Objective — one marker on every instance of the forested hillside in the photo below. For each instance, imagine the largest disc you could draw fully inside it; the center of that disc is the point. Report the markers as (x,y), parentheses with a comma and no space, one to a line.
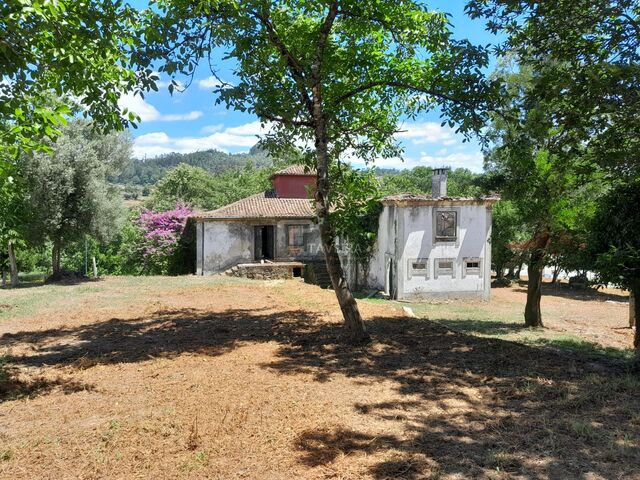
(147,172)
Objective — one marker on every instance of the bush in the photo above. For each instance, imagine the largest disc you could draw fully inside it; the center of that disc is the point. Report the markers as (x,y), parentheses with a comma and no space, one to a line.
(161,239)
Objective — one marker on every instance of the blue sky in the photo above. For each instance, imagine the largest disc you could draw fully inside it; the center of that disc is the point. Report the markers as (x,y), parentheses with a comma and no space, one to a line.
(190,121)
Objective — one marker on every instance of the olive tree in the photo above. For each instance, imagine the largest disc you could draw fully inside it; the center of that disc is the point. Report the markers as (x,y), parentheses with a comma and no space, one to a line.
(67,192)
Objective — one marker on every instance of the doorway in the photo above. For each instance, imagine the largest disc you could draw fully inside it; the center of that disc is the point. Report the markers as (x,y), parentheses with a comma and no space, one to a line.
(390,279)
(264,242)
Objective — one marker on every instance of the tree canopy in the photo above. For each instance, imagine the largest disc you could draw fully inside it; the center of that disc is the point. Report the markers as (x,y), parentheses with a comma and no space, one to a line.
(77,49)
(614,240)
(586,54)
(551,189)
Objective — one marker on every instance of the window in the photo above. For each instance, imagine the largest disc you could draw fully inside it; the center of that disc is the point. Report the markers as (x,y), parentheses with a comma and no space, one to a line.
(295,235)
(446,225)
(418,267)
(472,266)
(445,267)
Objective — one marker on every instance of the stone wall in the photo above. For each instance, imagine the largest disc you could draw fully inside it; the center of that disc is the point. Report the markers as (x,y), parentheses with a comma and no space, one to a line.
(267,271)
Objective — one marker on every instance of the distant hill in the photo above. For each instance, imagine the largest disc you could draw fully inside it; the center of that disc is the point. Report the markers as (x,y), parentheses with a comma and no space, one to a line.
(149,171)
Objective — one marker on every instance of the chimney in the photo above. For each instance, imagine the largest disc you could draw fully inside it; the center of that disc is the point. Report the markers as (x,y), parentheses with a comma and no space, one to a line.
(439,182)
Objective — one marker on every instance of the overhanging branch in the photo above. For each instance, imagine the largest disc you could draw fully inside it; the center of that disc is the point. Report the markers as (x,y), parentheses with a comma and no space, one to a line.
(406,86)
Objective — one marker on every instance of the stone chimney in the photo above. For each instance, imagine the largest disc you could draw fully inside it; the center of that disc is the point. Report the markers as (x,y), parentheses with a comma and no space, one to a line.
(439,182)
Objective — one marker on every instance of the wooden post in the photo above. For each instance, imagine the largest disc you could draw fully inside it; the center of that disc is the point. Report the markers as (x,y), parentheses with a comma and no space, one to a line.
(632,309)
(13,265)
(95,268)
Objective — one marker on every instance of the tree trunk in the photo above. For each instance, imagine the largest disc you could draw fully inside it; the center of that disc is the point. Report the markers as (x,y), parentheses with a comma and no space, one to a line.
(13,265)
(532,313)
(499,272)
(354,325)
(556,272)
(518,271)
(55,262)
(635,292)
(632,309)
(510,273)
(4,279)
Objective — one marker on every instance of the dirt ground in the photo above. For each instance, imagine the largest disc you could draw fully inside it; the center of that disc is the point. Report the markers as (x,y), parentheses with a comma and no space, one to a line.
(212,378)
(582,318)
(598,316)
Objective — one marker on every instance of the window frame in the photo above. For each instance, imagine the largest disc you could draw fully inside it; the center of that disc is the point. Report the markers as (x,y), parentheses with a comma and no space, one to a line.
(418,272)
(302,228)
(472,271)
(440,272)
(446,238)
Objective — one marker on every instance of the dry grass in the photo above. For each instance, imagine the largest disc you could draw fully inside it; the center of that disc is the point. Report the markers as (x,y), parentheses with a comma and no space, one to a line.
(199,378)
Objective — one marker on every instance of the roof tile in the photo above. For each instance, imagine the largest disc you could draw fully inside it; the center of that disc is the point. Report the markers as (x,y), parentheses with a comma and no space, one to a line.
(296,170)
(264,205)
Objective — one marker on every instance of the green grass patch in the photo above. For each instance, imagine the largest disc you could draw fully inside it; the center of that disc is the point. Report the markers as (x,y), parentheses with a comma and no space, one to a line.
(32,277)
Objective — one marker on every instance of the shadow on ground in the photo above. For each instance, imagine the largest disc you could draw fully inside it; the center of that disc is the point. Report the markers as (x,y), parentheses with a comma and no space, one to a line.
(483,327)
(465,405)
(563,290)
(14,385)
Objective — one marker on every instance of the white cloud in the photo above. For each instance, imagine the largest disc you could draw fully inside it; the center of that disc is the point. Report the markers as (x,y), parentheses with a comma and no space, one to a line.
(179,86)
(421,133)
(211,82)
(165,83)
(473,161)
(136,104)
(395,162)
(176,117)
(209,129)
(149,113)
(237,138)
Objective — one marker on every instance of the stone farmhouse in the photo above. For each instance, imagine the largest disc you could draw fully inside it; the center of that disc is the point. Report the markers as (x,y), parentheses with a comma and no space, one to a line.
(428,246)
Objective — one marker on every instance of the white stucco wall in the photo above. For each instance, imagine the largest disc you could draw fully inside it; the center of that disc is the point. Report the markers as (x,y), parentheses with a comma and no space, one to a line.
(228,243)
(225,245)
(406,235)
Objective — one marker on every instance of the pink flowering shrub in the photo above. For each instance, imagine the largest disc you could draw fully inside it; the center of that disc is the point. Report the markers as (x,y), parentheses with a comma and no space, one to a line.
(161,236)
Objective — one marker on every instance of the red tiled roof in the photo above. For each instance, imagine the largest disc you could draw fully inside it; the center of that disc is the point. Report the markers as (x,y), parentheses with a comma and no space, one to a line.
(263,205)
(296,170)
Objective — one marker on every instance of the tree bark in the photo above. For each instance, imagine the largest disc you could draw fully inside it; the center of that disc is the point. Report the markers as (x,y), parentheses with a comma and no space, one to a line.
(635,292)
(4,279)
(532,312)
(517,274)
(556,272)
(499,271)
(354,325)
(632,308)
(55,262)
(13,265)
